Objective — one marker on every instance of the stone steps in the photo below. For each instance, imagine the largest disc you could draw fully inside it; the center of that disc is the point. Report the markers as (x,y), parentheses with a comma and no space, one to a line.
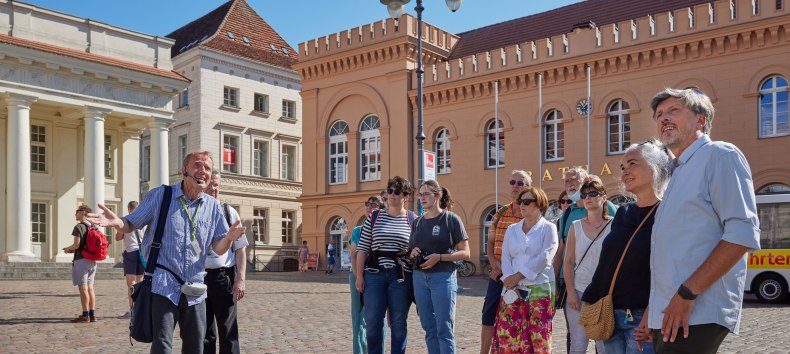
(54,270)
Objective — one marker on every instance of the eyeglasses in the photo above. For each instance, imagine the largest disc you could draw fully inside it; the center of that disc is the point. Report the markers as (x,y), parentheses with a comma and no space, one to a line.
(425,195)
(566,201)
(517,183)
(592,194)
(396,191)
(372,205)
(525,201)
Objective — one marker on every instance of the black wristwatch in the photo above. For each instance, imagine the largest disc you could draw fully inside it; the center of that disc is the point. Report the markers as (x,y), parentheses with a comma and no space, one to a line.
(685,293)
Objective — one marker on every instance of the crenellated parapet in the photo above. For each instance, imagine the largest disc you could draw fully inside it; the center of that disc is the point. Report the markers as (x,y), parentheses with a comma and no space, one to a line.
(658,39)
(374,43)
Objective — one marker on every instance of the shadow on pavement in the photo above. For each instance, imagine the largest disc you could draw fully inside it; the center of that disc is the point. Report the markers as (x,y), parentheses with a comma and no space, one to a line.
(26,320)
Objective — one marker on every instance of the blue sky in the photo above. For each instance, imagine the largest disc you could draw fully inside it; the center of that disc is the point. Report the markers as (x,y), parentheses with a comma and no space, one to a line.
(296,20)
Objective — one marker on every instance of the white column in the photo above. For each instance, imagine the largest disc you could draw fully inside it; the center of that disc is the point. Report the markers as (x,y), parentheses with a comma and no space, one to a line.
(159,159)
(94,155)
(18,222)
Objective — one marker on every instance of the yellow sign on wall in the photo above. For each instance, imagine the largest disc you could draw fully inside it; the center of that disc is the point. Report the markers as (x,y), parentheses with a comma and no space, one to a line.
(764,259)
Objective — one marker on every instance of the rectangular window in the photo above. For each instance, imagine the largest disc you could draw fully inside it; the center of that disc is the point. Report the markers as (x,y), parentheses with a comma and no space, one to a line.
(289,109)
(288,226)
(261,103)
(260,158)
(182,149)
(288,163)
(778,4)
(39,219)
(338,160)
(38,148)
(230,148)
(108,157)
(110,231)
(231,97)
(259,222)
(145,169)
(773,218)
(183,98)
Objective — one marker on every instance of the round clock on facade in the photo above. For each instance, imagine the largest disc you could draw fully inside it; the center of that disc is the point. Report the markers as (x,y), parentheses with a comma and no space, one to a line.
(582,107)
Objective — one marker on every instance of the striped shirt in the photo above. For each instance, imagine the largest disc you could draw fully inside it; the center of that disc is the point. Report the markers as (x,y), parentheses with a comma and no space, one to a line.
(506,216)
(389,234)
(177,253)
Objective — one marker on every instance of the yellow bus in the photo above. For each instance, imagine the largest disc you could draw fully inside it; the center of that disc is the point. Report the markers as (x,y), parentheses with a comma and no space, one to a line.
(768,274)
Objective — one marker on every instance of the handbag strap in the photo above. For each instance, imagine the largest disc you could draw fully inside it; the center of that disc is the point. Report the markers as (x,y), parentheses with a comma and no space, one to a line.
(619,263)
(590,245)
(156,245)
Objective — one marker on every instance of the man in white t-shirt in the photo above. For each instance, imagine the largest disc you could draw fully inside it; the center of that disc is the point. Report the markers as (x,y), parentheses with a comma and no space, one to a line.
(225,277)
(133,267)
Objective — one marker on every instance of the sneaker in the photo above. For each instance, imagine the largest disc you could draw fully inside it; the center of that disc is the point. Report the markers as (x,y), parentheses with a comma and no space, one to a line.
(81,319)
(93,318)
(126,315)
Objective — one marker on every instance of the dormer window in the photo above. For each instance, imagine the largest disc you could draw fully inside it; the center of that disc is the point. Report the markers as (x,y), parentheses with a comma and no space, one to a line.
(274,48)
(245,39)
(285,51)
(231,36)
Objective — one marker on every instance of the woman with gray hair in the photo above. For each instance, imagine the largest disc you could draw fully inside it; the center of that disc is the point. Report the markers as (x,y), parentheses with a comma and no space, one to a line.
(645,174)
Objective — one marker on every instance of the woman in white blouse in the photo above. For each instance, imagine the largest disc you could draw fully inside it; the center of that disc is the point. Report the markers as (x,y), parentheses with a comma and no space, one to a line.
(523,323)
(583,251)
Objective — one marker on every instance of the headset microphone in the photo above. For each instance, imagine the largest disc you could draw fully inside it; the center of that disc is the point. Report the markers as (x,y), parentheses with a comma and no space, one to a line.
(198,181)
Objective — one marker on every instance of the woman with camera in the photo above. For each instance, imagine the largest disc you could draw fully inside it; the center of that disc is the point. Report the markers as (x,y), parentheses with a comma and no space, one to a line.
(523,324)
(382,253)
(438,239)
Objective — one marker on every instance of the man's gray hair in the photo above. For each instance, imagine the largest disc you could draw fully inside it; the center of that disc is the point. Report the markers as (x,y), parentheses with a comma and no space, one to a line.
(693,99)
(581,173)
(527,178)
(195,153)
(657,158)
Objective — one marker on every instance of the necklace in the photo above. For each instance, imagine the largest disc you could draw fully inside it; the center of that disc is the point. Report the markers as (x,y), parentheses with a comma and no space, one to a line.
(595,226)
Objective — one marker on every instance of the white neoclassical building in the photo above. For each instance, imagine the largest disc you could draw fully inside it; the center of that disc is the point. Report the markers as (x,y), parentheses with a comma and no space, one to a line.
(75,95)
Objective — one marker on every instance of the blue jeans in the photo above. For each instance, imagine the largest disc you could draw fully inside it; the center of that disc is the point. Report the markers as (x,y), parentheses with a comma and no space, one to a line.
(358,320)
(434,293)
(383,291)
(622,339)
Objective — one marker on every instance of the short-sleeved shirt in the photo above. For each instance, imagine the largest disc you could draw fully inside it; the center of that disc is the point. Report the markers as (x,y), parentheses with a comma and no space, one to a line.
(438,235)
(132,240)
(177,253)
(506,216)
(213,261)
(389,234)
(709,199)
(80,230)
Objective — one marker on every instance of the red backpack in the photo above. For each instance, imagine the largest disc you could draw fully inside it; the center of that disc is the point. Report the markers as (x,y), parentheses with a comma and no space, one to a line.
(96,245)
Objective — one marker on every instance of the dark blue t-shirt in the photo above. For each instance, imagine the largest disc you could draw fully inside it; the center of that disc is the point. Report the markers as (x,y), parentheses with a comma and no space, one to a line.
(438,235)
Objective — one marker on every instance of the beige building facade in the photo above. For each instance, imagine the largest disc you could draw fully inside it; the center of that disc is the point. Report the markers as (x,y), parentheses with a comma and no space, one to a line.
(75,96)
(359,94)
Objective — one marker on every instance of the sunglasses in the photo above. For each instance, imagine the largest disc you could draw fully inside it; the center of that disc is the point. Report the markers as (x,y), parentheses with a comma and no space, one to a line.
(396,191)
(591,194)
(372,205)
(517,183)
(566,201)
(525,201)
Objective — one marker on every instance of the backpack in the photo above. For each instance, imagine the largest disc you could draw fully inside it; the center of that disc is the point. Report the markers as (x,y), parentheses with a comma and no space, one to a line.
(96,245)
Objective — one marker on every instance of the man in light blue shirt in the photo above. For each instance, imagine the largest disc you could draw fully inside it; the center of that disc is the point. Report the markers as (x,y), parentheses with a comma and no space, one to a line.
(704,227)
(195,223)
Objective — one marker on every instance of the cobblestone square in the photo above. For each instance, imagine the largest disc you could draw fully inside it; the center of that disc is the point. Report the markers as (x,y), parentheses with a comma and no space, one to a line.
(282,313)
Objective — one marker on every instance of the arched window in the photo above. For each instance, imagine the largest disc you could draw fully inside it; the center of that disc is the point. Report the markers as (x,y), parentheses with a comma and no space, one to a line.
(618,127)
(442,150)
(338,153)
(775,188)
(555,136)
(488,222)
(337,232)
(773,107)
(370,149)
(494,160)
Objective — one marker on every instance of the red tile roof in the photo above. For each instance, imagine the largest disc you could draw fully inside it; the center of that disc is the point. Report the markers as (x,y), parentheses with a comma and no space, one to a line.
(238,18)
(560,21)
(96,58)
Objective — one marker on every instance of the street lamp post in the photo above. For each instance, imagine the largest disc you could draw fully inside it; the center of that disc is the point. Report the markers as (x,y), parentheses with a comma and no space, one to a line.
(395,9)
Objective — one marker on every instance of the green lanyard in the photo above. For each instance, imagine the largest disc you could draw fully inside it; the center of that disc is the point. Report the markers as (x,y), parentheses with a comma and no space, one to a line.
(191,218)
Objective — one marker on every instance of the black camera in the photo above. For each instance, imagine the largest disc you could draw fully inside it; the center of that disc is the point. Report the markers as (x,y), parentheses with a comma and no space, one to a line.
(417,261)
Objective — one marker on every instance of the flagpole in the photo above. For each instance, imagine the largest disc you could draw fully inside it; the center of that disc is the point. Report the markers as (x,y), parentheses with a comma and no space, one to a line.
(540,130)
(496,124)
(589,108)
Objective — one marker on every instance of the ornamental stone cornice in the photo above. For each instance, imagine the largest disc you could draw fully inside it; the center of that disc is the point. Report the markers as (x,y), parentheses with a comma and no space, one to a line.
(260,187)
(214,60)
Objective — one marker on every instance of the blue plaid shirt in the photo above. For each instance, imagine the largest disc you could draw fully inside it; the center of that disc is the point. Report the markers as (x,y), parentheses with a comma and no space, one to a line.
(177,253)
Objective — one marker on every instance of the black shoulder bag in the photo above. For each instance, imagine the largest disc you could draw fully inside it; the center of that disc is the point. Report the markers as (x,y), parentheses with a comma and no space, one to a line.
(141,326)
